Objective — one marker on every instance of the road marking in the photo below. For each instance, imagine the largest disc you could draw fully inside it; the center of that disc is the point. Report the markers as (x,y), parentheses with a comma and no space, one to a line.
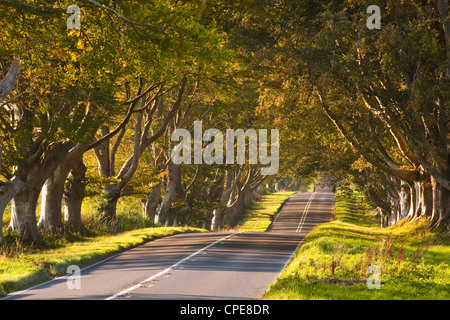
(12,294)
(305,212)
(173,267)
(299,229)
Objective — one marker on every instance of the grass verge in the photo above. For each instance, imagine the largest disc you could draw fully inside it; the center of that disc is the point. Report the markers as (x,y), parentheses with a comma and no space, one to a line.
(23,266)
(261,213)
(259,216)
(333,261)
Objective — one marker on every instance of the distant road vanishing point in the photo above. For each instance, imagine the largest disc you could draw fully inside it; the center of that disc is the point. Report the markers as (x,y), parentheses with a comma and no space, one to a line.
(197,266)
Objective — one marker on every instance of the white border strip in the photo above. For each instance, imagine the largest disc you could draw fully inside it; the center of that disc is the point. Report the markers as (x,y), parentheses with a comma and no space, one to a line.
(170,268)
(10,295)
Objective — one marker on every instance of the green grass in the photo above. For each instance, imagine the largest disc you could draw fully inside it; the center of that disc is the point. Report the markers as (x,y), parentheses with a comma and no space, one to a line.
(259,216)
(22,266)
(332,262)
(262,212)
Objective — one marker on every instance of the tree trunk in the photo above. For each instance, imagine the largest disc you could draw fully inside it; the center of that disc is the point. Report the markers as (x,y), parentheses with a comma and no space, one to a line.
(23,211)
(405,200)
(424,199)
(74,195)
(9,81)
(53,190)
(109,209)
(180,218)
(383,207)
(233,215)
(172,191)
(51,201)
(150,204)
(217,221)
(7,191)
(172,217)
(219,214)
(442,6)
(414,196)
(384,217)
(440,216)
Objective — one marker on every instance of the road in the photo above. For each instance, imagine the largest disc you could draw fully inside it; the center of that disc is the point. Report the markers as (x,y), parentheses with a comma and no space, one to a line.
(197,266)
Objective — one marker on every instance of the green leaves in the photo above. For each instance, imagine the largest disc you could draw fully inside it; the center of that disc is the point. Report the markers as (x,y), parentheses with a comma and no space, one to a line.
(73,79)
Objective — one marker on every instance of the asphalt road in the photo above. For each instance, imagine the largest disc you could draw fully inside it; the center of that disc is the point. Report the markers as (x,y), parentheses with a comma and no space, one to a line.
(197,266)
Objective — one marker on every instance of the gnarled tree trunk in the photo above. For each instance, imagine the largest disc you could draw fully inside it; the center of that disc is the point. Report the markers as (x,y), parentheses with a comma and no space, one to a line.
(53,190)
(74,195)
(173,190)
(50,219)
(23,210)
(150,204)
(441,206)
(7,191)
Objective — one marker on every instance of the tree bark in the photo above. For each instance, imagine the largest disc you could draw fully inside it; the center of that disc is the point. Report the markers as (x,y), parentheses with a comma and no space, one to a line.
(9,81)
(50,219)
(109,209)
(440,216)
(442,6)
(231,182)
(23,210)
(424,194)
(150,204)
(52,193)
(383,206)
(173,191)
(74,195)
(7,191)
(405,200)
(34,173)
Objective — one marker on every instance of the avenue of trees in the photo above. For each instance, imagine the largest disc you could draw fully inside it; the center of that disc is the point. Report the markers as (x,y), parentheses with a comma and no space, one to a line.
(90,111)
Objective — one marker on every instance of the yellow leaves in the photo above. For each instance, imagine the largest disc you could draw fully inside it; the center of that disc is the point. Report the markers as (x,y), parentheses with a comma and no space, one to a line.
(360,164)
(163,174)
(80,44)
(73,56)
(73,32)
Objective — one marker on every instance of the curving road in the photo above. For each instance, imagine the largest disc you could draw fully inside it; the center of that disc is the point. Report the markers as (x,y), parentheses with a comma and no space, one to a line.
(197,266)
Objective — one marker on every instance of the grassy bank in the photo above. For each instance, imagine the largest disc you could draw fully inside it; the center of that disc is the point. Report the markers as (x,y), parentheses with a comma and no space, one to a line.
(259,216)
(262,212)
(333,261)
(22,266)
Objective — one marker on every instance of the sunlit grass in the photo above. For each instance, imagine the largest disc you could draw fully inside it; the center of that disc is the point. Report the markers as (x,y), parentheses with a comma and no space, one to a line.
(262,212)
(332,262)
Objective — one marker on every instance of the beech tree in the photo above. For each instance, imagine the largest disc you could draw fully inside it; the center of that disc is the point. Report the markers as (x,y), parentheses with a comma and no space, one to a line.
(50,117)
(384,93)
(142,139)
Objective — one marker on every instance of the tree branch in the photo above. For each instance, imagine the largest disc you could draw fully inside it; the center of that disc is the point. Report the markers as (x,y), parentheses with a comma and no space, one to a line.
(9,81)
(408,175)
(125,120)
(134,23)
